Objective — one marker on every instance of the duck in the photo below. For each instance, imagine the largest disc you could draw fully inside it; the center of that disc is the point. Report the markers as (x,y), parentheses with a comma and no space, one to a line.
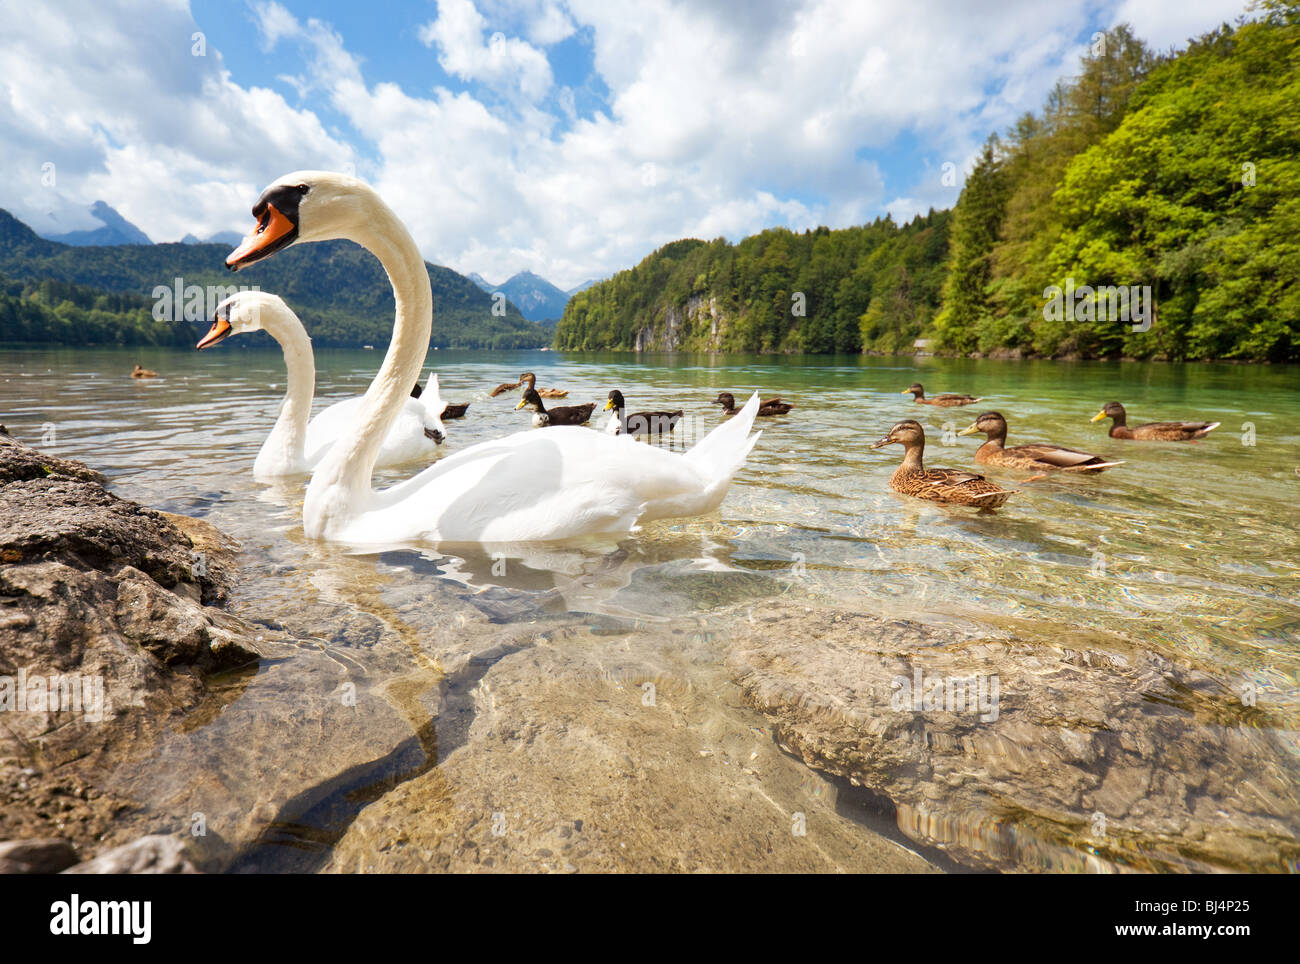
(449,411)
(297,442)
(560,415)
(771,407)
(1037,456)
(638,423)
(139,372)
(529,380)
(1153,431)
(946,400)
(937,485)
(561,484)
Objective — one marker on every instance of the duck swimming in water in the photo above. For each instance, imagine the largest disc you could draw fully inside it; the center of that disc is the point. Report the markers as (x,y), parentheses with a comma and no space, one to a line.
(937,485)
(946,400)
(1036,456)
(1152,431)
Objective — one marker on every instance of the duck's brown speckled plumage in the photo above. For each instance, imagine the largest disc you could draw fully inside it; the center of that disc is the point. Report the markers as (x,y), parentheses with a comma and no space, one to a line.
(1036,456)
(1152,431)
(937,485)
(946,400)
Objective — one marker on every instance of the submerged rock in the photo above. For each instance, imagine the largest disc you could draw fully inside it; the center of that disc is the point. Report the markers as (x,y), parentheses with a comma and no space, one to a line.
(155,854)
(41,856)
(1089,755)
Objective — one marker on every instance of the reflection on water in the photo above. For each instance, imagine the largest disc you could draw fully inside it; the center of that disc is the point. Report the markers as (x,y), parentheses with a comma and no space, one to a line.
(1189,549)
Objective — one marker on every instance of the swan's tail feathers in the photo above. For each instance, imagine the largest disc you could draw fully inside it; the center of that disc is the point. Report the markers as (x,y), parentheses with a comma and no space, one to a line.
(723,451)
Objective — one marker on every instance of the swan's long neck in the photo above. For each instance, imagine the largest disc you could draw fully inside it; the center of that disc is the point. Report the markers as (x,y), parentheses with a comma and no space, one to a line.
(285,448)
(340,488)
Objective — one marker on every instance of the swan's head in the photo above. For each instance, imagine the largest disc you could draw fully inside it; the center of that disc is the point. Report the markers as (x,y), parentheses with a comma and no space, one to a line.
(304,206)
(243,312)
(907,433)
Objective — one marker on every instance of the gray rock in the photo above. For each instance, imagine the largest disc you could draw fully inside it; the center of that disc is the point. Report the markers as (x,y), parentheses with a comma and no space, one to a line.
(155,854)
(43,856)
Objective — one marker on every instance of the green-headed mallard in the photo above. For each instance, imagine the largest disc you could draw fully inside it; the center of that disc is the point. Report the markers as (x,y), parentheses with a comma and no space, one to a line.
(773,406)
(1036,456)
(563,415)
(637,423)
(946,400)
(1153,431)
(937,485)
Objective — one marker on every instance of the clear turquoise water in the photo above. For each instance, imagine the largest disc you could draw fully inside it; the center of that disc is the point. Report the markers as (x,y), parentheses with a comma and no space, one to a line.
(1190,544)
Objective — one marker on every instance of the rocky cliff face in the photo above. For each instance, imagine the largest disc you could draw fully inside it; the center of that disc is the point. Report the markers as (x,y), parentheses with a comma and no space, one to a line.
(694,326)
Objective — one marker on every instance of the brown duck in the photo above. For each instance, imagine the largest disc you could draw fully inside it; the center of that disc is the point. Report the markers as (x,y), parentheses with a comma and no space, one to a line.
(946,400)
(1037,456)
(773,406)
(937,485)
(139,372)
(563,415)
(1153,431)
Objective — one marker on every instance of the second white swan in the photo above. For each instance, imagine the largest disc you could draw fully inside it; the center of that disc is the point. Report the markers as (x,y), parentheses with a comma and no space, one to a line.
(297,442)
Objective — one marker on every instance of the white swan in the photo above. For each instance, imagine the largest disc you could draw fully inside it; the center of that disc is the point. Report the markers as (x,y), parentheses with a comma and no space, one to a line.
(295,446)
(531,486)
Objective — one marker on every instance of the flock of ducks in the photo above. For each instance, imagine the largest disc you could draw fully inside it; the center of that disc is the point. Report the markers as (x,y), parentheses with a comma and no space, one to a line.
(956,487)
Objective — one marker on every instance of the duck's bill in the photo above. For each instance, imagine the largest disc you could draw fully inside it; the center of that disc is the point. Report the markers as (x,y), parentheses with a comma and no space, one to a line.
(881,443)
(906,391)
(274,231)
(968,430)
(1099,416)
(521,404)
(219,330)
(609,405)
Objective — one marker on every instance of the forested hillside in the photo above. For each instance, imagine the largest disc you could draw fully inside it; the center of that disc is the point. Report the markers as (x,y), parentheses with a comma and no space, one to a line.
(337,288)
(1179,172)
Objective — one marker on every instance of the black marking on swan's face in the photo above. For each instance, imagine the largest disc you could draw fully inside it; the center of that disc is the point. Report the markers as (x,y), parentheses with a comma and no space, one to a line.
(277,217)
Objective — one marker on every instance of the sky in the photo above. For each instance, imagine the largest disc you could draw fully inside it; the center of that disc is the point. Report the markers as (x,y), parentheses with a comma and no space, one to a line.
(566,137)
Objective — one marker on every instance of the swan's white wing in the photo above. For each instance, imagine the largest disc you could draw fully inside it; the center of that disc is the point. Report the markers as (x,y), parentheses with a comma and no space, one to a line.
(556,483)
(405,442)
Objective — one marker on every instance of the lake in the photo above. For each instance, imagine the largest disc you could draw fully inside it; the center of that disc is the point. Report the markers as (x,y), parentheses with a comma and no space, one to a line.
(1187,550)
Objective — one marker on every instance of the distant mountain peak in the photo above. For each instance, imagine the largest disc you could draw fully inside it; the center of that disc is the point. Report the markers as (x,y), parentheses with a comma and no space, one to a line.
(115,229)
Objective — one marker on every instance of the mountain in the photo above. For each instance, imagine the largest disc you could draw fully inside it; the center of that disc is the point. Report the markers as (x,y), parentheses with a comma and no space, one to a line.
(230,238)
(582,287)
(116,230)
(336,287)
(481,281)
(536,297)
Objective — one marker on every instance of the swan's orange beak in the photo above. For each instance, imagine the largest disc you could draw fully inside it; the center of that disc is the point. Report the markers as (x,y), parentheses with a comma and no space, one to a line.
(219,330)
(273,231)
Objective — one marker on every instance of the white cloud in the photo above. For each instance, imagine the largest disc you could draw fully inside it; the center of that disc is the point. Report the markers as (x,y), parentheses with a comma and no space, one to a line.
(721,118)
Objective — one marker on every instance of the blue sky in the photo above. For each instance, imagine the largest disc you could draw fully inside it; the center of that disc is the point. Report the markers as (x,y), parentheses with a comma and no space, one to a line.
(566,137)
